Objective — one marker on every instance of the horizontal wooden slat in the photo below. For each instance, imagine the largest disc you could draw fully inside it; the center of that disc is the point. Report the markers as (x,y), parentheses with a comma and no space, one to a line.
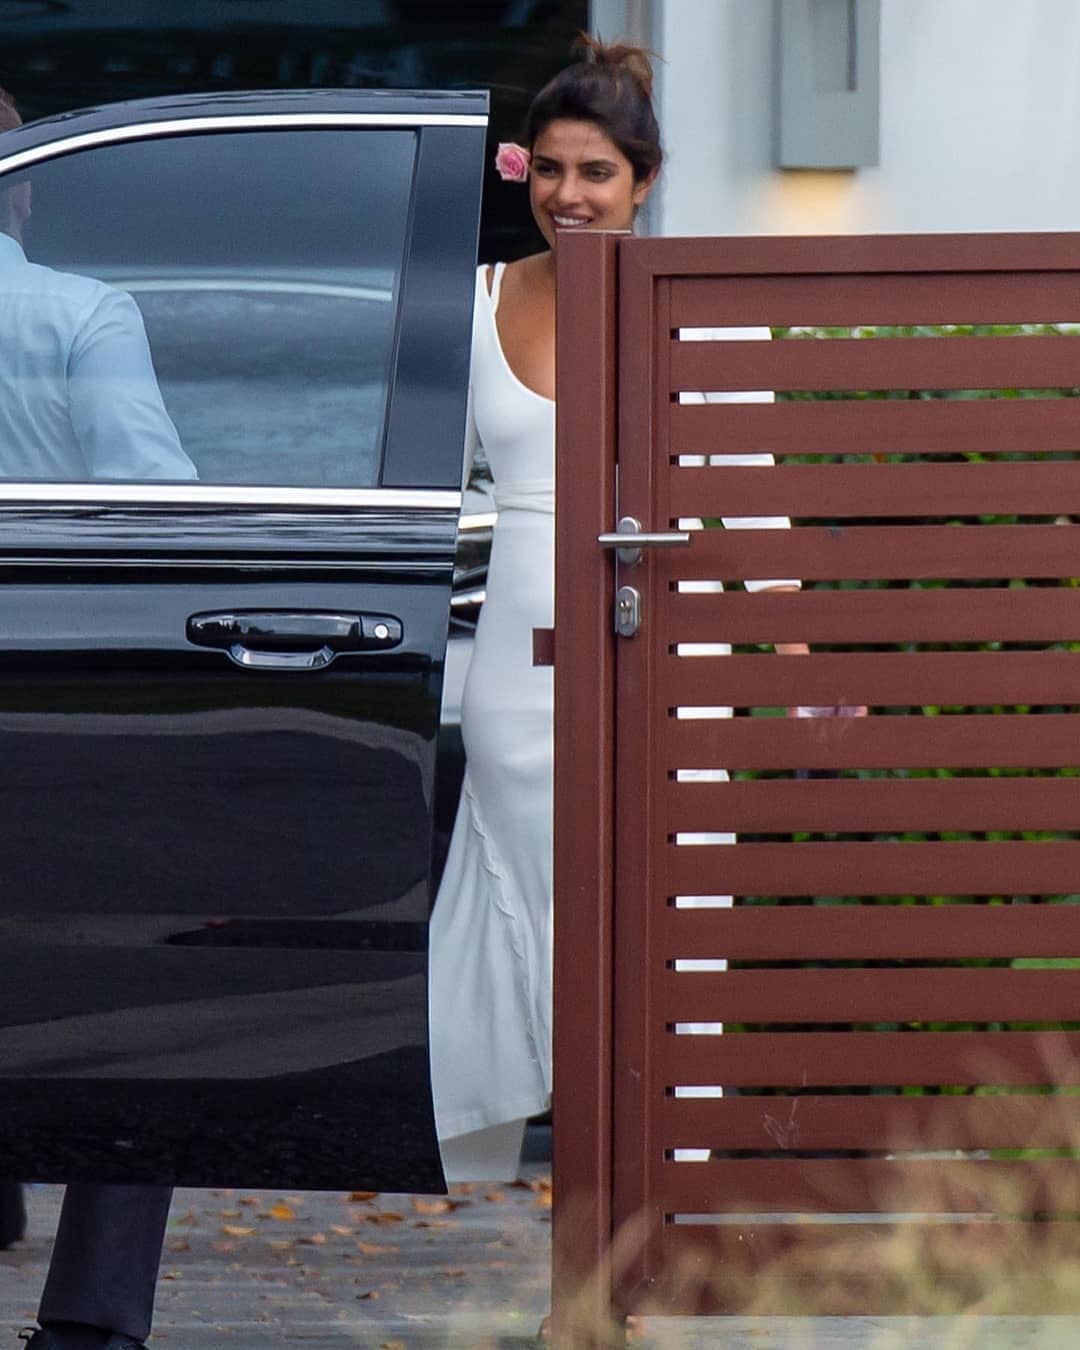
(952,741)
(888,490)
(860,299)
(860,1121)
(873,1059)
(880,426)
(1026,868)
(946,994)
(886,679)
(946,614)
(878,553)
(854,806)
(868,1185)
(1028,362)
(958,259)
(868,932)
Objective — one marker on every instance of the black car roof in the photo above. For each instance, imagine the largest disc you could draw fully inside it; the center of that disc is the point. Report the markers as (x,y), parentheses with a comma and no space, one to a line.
(408,102)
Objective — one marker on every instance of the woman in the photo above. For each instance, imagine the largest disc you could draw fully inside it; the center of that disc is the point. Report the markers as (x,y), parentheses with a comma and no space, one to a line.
(595,152)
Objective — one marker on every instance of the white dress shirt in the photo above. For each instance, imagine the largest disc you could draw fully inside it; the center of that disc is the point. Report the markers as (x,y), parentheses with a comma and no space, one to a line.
(79,399)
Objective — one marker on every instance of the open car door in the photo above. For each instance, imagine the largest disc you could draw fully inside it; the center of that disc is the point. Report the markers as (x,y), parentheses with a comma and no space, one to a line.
(224,590)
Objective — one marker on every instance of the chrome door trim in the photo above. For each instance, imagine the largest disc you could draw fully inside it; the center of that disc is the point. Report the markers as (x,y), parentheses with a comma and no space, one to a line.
(478,520)
(230,494)
(179,126)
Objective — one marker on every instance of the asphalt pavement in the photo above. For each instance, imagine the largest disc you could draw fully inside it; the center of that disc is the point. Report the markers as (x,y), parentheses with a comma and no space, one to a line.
(329,1270)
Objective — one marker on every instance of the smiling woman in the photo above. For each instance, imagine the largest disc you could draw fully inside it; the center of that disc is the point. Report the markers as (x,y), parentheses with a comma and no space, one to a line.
(595,153)
(580,180)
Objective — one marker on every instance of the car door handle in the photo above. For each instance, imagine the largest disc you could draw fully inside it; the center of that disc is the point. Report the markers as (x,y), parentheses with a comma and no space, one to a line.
(279,639)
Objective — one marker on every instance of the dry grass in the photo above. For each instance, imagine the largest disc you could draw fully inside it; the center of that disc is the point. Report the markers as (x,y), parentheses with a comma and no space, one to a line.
(963,1237)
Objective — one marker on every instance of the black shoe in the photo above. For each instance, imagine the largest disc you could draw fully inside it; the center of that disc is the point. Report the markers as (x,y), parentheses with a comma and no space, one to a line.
(48,1338)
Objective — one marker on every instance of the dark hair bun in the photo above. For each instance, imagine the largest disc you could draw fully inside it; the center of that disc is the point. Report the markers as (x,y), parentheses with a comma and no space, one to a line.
(618,58)
(610,85)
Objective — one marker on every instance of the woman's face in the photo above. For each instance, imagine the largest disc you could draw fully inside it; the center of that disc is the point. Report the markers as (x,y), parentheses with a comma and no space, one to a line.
(579,179)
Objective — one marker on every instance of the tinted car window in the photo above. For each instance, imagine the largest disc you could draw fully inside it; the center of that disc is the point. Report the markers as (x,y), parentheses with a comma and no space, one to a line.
(266,268)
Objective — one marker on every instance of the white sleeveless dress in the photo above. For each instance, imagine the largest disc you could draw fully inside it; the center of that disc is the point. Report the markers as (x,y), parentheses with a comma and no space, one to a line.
(491,944)
(491,931)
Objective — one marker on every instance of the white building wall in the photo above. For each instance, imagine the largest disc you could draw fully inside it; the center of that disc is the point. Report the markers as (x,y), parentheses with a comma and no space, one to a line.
(980,120)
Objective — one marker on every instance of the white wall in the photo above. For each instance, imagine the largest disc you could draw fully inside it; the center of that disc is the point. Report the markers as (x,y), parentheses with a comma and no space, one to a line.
(980,122)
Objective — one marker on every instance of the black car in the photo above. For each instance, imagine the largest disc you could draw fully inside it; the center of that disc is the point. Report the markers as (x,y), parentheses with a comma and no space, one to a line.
(220,699)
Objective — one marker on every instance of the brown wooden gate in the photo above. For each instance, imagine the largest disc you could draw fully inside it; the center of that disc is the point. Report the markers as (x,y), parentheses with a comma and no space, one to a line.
(900,1124)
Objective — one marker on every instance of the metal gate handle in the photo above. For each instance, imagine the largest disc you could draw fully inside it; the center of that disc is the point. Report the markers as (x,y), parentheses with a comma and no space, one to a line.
(630,538)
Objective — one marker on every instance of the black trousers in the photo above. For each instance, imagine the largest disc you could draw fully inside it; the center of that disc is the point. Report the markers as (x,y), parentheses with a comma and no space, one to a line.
(105,1261)
(12,1213)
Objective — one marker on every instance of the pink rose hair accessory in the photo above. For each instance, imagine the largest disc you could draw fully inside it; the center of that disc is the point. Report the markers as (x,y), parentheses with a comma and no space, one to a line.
(512,162)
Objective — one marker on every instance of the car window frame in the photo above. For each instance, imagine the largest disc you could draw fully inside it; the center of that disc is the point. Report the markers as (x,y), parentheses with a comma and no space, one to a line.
(409,478)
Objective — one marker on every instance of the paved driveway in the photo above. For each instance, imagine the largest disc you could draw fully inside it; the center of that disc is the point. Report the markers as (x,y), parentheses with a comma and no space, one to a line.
(328,1271)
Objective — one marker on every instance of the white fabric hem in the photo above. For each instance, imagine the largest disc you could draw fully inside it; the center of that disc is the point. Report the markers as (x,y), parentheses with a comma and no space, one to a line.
(466,1122)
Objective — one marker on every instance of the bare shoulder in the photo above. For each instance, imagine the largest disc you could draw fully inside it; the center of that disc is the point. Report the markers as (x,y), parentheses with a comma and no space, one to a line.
(525,280)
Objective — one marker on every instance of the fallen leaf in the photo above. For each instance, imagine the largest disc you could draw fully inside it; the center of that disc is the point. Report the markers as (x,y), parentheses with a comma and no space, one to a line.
(542,1187)
(172,1275)
(314,1239)
(371,1294)
(251,1200)
(495,1197)
(423,1206)
(375,1248)
(282,1211)
(437,1205)
(230,1213)
(392,1345)
(281,1245)
(188,1219)
(435,1223)
(362,1197)
(234,1230)
(384,1216)
(223,1246)
(178,1245)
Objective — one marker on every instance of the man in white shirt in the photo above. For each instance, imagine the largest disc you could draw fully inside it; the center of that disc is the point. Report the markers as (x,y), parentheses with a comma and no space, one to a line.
(79,399)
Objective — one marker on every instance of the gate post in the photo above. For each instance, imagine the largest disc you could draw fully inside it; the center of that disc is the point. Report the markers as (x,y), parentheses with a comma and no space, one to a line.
(587,367)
